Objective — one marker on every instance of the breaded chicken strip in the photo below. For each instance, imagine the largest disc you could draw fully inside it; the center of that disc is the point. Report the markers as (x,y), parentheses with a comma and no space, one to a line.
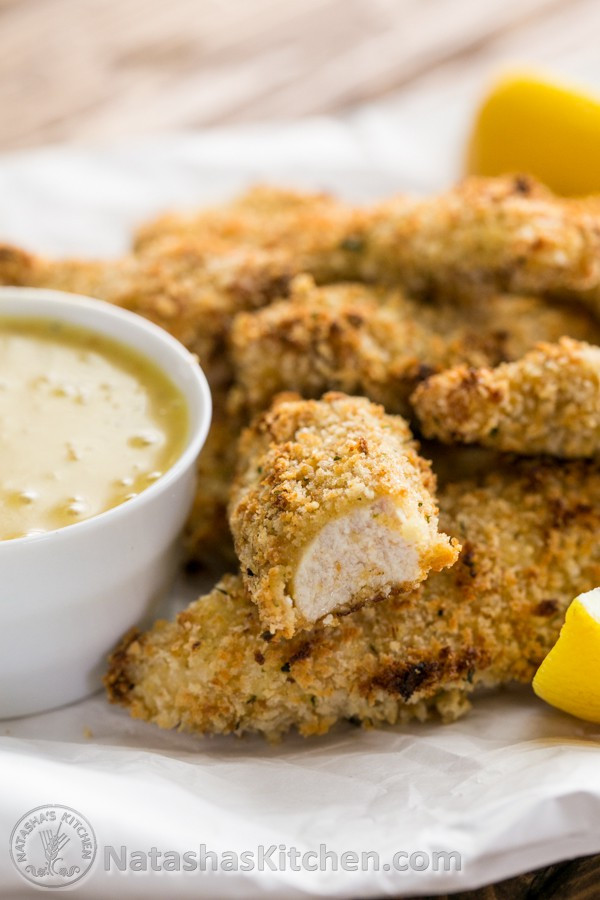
(530,545)
(377,342)
(192,295)
(486,235)
(546,402)
(489,235)
(331,509)
(318,232)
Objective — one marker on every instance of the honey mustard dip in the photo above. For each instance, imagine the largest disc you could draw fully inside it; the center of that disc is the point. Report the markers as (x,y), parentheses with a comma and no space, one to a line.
(86,424)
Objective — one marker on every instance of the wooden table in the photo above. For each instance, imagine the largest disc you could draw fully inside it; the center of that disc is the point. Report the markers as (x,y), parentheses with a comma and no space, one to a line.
(94,70)
(81,70)
(578,879)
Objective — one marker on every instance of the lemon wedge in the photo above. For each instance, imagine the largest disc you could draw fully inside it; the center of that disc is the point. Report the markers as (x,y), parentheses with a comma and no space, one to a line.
(530,124)
(569,677)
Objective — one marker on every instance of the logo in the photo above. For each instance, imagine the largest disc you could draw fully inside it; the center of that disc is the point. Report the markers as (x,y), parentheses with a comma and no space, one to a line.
(53,846)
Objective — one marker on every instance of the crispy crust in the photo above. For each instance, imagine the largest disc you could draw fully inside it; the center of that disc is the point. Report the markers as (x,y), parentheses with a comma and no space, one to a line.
(530,545)
(315,231)
(546,402)
(378,343)
(487,235)
(305,463)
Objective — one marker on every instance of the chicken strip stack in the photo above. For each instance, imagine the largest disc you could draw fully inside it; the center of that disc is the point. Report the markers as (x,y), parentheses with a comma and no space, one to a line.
(192,276)
(331,509)
(377,342)
(530,545)
(546,402)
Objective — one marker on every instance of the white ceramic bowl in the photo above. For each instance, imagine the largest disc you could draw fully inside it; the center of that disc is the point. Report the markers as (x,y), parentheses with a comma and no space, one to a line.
(68,595)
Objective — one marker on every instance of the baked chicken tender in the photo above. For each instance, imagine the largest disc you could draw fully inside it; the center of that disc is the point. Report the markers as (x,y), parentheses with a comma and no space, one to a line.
(377,342)
(489,235)
(529,536)
(485,235)
(331,508)
(546,402)
(187,291)
(317,232)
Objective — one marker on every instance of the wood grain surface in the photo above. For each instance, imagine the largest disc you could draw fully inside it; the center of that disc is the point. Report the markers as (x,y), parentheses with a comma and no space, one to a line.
(89,70)
(98,69)
(578,879)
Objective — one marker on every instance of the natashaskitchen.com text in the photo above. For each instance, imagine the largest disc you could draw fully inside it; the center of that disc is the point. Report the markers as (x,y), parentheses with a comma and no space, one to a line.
(277,858)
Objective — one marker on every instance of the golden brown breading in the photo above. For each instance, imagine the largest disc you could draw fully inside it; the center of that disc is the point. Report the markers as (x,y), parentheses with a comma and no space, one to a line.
(192,295)
(530,545)
(546,402)
(331,508)
(377,342)
(488,235)
(318,233)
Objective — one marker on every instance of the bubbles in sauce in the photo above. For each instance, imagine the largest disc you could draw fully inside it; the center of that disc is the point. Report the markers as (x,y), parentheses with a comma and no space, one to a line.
(86,424)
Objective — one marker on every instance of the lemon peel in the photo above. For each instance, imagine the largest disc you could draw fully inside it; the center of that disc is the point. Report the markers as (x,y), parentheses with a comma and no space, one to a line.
(569,677)
(532,124)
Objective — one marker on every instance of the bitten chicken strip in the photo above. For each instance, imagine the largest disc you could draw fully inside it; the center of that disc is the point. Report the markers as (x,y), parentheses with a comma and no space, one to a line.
(377,342)
(546,402)
(191,294)
(318,232)
(331,508)
(530,544)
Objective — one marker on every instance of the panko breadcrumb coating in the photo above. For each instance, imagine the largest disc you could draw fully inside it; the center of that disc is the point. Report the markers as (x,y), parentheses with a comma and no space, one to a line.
(352,338)
(546,402)
(529,537)
(486,235)
(191,294)
(378,343)
(331,508)
(317,233)
(489,235)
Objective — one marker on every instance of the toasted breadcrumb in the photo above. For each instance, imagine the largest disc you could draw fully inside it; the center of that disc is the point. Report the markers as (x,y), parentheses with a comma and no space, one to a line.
(529,536)
(546,402)
(331,508)
(489,235)
(486,235)
(378,343)
(316,232)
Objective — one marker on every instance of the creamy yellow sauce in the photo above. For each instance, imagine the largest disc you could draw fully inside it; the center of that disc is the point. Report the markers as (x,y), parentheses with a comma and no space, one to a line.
(85,425)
